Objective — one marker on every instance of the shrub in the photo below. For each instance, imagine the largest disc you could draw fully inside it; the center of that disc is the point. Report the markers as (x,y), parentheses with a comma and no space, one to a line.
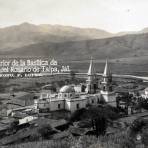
(136,127)
(78,115)
(45,131)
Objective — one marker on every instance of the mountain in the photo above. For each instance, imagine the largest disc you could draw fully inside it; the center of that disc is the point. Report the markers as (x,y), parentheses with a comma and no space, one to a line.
(26,34)
(68,42)
(115,47)
(145,30)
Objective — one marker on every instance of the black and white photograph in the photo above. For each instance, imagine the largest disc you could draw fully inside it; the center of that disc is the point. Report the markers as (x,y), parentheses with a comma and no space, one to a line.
(73,74)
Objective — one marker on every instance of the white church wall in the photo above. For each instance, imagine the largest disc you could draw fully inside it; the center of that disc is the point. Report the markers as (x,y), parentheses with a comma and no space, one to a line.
(93,100)
(43,104)
(110,98)
(57,105)
(73,105)
(67,105)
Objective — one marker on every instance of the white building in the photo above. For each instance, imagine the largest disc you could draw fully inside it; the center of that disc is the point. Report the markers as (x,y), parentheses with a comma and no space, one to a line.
(145,93)
(71,98)
(66,99)
(26,119)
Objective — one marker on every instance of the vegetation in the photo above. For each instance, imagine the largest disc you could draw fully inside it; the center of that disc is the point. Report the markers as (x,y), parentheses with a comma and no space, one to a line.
(78,115)
(99,117)
(145,136)
(118,140)
(45,131)
(144,104)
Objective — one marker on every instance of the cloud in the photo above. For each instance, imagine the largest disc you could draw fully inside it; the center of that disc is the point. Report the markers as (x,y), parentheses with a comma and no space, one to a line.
(112,15)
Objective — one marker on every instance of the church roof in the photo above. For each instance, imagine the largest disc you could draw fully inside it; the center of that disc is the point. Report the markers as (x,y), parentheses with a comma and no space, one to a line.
(91,70)
(67,89)
(107,71)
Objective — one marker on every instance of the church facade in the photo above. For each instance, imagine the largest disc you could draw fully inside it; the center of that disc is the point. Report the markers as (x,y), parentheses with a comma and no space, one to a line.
(107,91)
(68,98)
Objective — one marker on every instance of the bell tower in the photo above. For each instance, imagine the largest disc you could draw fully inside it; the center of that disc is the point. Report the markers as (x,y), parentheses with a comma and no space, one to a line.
(91,79)
(107,92)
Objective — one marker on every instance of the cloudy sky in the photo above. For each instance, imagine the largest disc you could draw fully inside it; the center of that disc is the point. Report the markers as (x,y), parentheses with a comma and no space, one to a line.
(110,15)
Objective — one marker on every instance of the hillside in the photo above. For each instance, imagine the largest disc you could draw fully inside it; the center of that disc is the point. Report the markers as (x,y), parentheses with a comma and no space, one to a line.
(116,47)
(26,34)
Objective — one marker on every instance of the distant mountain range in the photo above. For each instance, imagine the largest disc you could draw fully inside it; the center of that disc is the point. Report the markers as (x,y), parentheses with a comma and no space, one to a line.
(65,42)
(116,47)
(26,34)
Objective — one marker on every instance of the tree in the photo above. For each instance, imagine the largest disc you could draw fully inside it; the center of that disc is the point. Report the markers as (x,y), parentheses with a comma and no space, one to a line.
(99,120)
(78,115)
(145,137)
(45,131)
(100,124)
(136,127)
(99,116)
(72,75)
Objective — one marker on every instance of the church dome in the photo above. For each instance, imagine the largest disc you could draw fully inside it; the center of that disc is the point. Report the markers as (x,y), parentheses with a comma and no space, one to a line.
(67,89)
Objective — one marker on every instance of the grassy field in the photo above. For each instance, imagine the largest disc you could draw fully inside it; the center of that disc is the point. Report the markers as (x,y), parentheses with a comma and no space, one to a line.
(131,65)
(119,140)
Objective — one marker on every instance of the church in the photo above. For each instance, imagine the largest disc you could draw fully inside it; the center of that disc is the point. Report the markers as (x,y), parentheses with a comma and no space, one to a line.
(71,99)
